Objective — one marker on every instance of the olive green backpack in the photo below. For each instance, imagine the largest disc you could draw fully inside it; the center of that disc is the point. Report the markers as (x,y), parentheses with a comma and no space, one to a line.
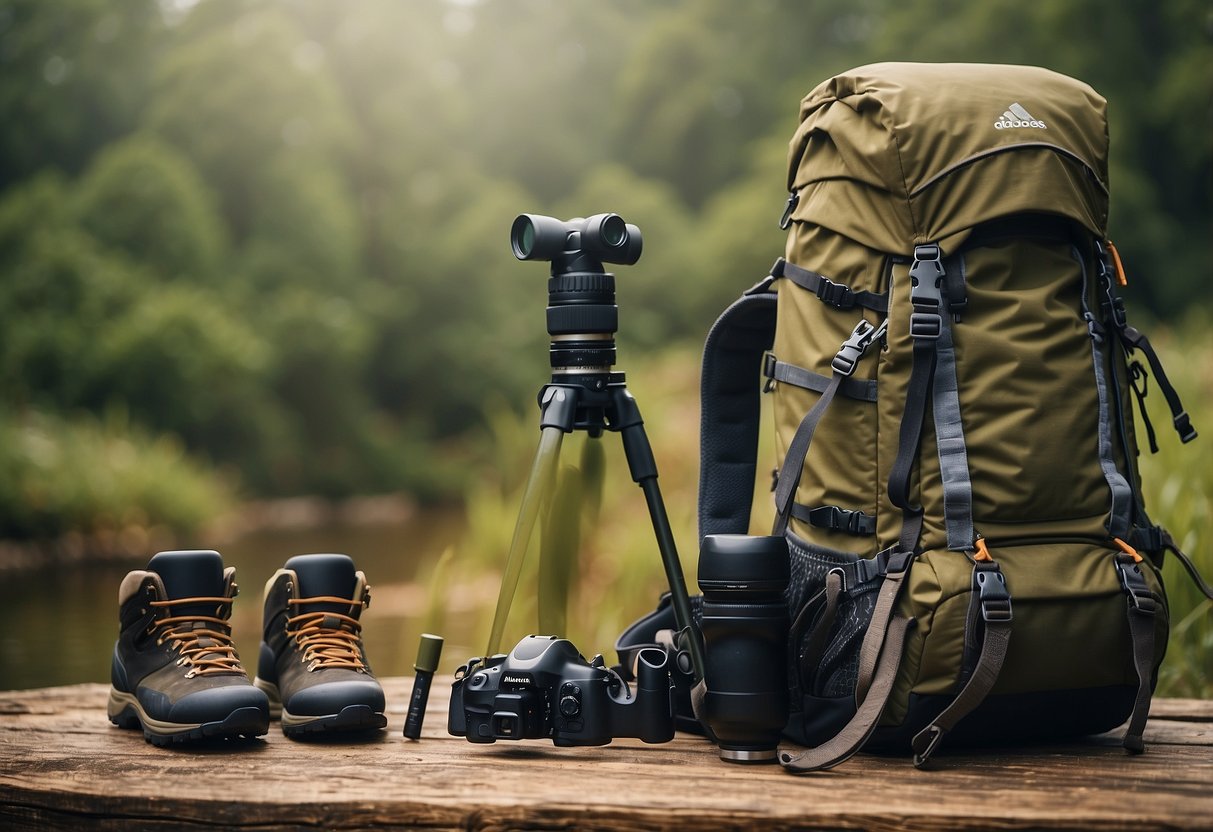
(950,368)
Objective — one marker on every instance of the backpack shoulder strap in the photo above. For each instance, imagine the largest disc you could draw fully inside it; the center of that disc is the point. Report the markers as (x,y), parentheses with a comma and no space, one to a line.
(730,401)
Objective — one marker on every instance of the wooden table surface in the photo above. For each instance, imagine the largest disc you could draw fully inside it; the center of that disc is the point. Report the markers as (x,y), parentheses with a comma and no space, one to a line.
(63,766)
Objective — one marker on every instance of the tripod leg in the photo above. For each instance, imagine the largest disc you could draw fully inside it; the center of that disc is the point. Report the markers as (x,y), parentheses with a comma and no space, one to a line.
(538,484)
(574,506)
(559,546)
(644,473)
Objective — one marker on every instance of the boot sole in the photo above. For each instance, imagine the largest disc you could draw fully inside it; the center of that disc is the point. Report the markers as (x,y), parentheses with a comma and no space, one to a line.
(125,711)
(352,719)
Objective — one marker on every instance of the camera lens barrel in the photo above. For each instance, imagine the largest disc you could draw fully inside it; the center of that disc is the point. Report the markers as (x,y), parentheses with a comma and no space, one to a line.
(745,630)
(582,321)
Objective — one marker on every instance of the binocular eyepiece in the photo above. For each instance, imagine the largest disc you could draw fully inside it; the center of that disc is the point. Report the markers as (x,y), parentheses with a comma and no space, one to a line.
(603,237)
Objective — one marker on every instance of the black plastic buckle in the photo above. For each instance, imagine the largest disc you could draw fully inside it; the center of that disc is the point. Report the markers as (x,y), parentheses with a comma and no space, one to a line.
(835,294)
(1134,584)
(786,219)
(768,369)
(992,594)
(1183,426)
(1114,307)
(926,292)
(857,346)
(838,519)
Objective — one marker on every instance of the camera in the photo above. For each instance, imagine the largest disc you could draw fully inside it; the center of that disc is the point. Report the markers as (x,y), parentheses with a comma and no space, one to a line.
(545,689)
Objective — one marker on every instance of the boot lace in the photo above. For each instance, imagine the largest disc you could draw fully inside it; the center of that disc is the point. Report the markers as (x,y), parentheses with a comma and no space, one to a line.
(204,641)
(328,639)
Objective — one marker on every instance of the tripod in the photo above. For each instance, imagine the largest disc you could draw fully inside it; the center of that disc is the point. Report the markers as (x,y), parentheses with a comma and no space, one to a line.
(585,394)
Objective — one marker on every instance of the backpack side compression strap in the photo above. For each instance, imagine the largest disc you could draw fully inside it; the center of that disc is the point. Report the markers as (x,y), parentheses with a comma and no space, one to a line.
(884,640)
(730,395)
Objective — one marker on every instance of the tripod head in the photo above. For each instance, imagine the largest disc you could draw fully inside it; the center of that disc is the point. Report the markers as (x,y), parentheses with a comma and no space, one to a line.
(582,316)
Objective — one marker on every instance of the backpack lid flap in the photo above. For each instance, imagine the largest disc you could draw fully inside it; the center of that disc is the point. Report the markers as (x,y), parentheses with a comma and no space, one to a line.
(896,154)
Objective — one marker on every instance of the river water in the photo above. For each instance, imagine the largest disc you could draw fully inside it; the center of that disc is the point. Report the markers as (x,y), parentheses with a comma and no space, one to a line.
(58,623)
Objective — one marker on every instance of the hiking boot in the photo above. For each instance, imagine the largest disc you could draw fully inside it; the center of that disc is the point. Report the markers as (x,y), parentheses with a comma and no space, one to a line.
(175,671)
(313,666)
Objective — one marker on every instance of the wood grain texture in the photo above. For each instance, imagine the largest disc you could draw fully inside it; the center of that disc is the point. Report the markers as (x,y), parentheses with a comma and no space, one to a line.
(63,766)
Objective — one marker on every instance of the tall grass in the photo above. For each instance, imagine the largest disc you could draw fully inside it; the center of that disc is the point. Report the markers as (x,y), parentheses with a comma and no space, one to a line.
(619,575)
(1178,486)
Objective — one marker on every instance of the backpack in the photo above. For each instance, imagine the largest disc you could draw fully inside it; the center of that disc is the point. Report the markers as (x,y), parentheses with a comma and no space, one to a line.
(949,367)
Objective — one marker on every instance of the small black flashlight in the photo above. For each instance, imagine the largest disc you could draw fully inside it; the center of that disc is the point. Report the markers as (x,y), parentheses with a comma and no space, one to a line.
(428,653)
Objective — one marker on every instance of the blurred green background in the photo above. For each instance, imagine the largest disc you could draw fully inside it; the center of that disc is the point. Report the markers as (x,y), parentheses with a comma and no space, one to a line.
(257,249)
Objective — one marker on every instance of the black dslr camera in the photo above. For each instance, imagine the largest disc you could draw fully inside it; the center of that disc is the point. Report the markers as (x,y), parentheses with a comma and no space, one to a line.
(545,688)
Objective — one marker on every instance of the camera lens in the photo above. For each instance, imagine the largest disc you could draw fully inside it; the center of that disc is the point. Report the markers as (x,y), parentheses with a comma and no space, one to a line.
(745,630)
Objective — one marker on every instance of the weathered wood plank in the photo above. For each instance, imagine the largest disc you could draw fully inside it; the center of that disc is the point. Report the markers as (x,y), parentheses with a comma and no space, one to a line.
(62,766)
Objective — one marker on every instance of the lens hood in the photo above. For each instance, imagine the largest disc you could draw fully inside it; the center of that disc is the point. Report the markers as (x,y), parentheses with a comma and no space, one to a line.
(743,565)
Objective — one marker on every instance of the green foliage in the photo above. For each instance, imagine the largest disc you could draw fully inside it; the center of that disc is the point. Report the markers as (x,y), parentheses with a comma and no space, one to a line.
(59,294)
(181,362)
(276,229)
(99,477)
(72,78)
(143,198)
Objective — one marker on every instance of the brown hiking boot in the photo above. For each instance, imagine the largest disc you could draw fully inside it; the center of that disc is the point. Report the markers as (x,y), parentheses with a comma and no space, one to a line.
(175,671)
(313,665)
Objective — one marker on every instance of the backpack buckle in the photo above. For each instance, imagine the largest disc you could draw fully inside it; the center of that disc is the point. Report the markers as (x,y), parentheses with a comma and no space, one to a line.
(786,220)
(992,592)
(835,294)
(857,346)
(1134,584)
(926,292)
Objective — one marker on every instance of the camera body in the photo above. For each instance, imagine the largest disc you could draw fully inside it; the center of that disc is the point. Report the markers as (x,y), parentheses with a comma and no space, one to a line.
(545,689)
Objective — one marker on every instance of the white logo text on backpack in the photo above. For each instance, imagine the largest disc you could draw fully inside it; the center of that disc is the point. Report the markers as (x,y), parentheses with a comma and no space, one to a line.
(1017,116)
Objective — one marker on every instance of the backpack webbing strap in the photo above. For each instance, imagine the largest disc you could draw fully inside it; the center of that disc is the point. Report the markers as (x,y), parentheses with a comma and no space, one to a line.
(990,589)
(863,390)
(836,518)
(817,639)
(949,432)
(926,324)
(1168,543)
(896,569)
(843,745)
(838,295)
(881,650)
(730,397)
(1135,340)
(844,364)
(1142,607)
(1120,512)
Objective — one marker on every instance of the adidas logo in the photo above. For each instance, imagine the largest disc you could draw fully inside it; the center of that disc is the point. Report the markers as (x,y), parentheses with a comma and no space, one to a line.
(1017,116)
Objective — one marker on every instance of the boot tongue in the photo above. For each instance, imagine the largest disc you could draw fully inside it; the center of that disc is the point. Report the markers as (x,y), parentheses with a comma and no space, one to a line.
(331,575)
(190,574)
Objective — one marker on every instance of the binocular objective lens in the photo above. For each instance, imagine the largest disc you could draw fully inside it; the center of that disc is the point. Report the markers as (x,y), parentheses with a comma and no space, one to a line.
(526,239)
(614,231)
